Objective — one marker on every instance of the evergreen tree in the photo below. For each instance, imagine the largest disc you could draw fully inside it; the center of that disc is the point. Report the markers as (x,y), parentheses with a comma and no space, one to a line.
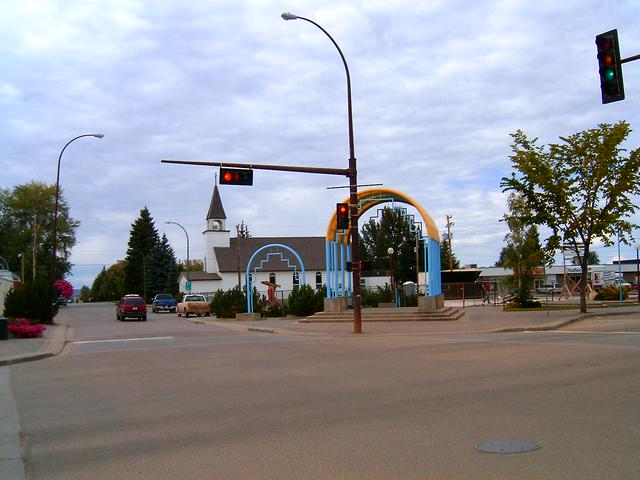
(242,230)
(162,272)
(142,241)
(444,256)
(96,287)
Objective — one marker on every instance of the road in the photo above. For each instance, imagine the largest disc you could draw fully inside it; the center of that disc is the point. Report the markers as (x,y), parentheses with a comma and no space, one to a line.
(168,399)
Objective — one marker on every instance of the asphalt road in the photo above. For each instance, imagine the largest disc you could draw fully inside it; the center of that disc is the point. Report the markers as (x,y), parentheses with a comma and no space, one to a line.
(167,399)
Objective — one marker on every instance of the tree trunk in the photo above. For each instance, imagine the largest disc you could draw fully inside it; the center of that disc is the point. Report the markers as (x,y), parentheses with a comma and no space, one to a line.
(584,267)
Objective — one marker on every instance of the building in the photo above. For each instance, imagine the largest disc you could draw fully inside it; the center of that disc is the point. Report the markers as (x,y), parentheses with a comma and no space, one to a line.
(273,262)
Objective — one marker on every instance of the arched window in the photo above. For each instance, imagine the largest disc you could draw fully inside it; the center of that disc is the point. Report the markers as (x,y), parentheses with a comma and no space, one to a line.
(296,279)
(318,280)
(272,277)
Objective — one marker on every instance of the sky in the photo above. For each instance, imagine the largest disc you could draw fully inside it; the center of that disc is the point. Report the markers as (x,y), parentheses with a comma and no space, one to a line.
(438,87)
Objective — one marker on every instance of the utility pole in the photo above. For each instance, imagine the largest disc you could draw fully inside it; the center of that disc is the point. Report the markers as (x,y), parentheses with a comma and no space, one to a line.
(449,225)
(34,246)
(417,265)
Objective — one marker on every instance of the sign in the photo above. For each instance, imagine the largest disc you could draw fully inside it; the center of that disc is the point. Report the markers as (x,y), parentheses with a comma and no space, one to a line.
(608,277)
(187,286)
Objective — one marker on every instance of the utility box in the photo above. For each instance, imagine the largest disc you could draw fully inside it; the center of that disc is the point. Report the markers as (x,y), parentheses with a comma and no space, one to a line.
(4,329)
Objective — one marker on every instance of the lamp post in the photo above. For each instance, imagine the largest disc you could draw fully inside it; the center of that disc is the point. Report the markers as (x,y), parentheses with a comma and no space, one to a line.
(54,239)
(187,235)
(638,270)
(353,186)
(391,251)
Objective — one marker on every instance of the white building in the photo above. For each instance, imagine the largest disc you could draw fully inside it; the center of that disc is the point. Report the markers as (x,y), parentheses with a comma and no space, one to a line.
(226,259)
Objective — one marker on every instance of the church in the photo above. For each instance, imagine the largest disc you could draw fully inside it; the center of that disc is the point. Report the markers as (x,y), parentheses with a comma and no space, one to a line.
(285,262)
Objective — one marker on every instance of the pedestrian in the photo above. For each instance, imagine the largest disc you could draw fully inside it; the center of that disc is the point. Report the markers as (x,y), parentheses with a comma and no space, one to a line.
(487,294)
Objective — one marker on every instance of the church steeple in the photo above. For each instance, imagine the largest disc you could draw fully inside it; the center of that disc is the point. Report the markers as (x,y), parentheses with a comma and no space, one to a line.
(216,234)
(216,210)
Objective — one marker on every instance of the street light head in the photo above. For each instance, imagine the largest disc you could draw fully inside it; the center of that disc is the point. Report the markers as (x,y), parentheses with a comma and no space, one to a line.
(390,250)
(289,16)
(98,135)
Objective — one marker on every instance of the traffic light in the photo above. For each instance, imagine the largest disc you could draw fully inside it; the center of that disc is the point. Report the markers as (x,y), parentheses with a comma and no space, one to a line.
(610,67)
(342,209)
(236,176)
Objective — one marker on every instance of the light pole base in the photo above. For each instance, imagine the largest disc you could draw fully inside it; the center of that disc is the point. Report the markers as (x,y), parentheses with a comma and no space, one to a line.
(338,304)
(430,303)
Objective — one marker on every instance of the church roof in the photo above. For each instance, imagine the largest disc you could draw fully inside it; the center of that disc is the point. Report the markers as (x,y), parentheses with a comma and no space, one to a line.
(215,208)
(310,249)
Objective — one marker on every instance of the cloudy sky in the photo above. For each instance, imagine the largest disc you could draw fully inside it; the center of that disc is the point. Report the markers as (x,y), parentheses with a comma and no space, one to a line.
(438,86)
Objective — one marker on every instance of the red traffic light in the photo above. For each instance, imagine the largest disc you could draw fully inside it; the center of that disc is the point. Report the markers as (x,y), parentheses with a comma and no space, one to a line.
(236,176)
(342,211)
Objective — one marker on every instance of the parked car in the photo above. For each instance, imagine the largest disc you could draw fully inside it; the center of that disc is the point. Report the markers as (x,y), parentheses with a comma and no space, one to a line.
(163,302)
(549,289)
(131,306)
(193,305)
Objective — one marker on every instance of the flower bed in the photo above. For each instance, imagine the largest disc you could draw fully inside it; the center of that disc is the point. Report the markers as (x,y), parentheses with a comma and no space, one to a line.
(21,327)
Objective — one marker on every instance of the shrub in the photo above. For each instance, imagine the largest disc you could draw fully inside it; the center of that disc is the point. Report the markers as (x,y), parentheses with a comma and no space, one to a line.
(21,327)
(227,304)
(303,301)
(612,292)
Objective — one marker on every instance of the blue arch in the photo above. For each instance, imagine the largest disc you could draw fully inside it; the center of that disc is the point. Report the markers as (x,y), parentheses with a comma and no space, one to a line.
(255,254)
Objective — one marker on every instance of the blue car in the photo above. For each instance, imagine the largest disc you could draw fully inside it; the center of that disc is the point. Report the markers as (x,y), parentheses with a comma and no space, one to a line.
(163,302)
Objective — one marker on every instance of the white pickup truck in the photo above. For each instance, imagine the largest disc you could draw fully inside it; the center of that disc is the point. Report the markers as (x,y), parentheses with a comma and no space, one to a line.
(193,304)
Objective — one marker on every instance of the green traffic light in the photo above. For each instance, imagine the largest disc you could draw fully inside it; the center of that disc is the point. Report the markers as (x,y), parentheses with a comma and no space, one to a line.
(609,74)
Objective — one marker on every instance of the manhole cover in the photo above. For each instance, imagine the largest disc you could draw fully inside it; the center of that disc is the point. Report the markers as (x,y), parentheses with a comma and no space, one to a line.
(508,446)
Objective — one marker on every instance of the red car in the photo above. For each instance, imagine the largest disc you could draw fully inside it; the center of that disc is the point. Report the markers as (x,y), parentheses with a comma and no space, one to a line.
(131,306)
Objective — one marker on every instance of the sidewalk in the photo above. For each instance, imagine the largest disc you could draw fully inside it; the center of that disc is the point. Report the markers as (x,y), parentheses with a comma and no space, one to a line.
(477,319)
(17,350)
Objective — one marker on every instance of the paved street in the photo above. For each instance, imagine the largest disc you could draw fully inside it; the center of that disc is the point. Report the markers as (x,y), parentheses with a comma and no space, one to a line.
(169,399)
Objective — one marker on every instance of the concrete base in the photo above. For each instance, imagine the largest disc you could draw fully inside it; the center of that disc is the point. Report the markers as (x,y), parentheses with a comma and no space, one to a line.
(430,303)
(335,305)
(247,316)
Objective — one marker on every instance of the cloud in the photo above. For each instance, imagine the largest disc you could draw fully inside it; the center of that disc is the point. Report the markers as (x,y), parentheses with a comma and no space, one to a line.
(437,89)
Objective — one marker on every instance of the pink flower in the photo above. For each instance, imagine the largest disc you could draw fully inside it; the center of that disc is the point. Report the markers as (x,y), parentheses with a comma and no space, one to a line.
(64,288)
(21,327)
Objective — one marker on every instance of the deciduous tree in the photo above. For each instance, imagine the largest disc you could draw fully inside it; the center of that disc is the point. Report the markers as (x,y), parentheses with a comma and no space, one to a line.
(581,188)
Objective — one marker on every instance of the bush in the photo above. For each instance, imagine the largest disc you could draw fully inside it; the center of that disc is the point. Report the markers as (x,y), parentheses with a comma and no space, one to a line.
(380,295)
(21,327)
(612,292)
(227,304)
(32,301)
(305,301)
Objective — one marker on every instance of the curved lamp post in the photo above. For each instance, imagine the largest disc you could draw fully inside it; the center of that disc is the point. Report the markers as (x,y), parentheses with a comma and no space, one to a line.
(187,235)
(54,229)
(353,185)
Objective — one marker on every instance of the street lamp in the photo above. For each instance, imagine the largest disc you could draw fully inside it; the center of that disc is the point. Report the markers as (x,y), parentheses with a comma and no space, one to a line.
(54,239)
(391,251)
(638,270)
(353,186)
(187,235)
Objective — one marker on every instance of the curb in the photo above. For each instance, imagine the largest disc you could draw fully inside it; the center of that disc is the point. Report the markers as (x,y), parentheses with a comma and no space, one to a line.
(51,347)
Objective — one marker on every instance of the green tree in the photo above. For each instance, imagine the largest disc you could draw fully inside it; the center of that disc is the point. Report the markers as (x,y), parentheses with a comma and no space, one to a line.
(26,219)
(393,230)
(242,230)
(444,256)
(162,272)
(85,294)
(523,252)
(582,189)
(142,241)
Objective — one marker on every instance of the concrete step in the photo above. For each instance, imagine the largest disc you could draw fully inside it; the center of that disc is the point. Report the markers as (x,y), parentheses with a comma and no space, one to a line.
(405,314)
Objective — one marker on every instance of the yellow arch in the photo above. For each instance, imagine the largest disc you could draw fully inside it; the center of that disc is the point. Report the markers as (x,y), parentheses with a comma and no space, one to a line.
(376,196)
